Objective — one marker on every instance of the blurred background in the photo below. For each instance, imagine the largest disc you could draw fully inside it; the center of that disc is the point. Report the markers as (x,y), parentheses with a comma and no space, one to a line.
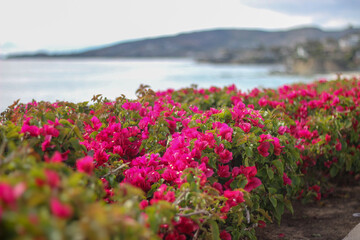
(71,50)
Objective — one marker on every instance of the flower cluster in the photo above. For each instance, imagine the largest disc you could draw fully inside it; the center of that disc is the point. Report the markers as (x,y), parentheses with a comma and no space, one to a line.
(176,164)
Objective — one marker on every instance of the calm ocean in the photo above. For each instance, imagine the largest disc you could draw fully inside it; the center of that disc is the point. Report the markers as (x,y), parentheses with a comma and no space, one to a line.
(78,80)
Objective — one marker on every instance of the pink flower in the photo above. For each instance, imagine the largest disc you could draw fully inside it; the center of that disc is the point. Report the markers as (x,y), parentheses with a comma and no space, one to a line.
(34,131)
(338,145)
(200,145)
(282,130)
(224,130)
(56,123)
(175,235)
(118,150)
(316,189)
(223,171)
(224,154)
(161,195)
(186,225)
(249,172)
(205,160)
(218,187)
(234,197)
(245,127)
(85,165)
(9,194)
(169,175)
(263,149)
(335,101)
(339,108)
(207,171)
(262,102)
(60,210)
(56,158)
(143,204)
(153,176)
(52,178)
(96,123)
(101,156)
(252,184)
(134,106)
(46,143)
(195,109)
(19,189)
(286,179)
(327,138)
(277,147)
(328,164)
(261,224)
(49,130)
(224,235)
(225,208)
(235,100)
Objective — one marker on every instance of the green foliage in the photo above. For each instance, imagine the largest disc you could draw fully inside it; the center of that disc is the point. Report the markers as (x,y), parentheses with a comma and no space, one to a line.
(196,163)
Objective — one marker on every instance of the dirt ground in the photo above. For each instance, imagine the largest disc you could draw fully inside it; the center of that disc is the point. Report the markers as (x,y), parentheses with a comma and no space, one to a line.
(329,219)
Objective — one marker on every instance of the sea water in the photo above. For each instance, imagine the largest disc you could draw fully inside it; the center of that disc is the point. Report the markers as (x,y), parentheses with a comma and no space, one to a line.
(77,80)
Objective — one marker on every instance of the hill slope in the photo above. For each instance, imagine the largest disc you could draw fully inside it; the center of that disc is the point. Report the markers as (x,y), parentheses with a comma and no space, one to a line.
(196,44)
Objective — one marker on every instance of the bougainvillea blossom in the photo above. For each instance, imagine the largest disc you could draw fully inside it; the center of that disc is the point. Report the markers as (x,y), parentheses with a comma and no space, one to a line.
(59,209)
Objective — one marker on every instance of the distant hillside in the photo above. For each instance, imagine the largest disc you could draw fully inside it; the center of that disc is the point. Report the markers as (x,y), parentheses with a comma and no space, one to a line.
(197,44)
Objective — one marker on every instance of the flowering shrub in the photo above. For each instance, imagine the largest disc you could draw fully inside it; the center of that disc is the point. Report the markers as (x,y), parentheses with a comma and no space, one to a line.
(194,163)
(325,122)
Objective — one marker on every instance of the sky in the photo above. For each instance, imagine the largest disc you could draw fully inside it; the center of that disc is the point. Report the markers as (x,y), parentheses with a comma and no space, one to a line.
(68,25)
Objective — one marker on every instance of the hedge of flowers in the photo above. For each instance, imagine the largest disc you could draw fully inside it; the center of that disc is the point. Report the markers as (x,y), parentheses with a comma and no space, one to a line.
(187,164)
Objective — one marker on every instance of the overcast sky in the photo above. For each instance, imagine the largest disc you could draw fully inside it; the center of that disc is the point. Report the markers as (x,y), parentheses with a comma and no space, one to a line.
(55,25)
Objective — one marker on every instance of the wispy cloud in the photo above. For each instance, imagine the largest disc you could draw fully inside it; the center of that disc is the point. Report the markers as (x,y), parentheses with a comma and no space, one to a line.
(63,25)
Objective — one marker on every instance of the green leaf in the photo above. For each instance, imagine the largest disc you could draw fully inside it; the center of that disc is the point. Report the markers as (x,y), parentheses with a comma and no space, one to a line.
(246,162)
(76,145)
(279,166)
(154,187)
(190,178)
(212,162)
(272,190)
(288,205)
(154,220)
(78,133)
(112,180)
(269,172)
(273,201)
(243,183)
(334,170)
(65,122)
(279,211)
(93,134)
(227,115)
(214,230)
(248,151)
(348,163)
(239,182)
(265,214)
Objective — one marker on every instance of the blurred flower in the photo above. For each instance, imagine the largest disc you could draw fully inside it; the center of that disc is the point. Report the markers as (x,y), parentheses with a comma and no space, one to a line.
(286,179)
(224,235)
(263,149)
(223,171)
(85,165)
(60,210)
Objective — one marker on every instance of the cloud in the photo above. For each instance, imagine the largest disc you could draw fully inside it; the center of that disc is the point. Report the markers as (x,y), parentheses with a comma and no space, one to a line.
(63,25)
(51,24)
(327,13)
